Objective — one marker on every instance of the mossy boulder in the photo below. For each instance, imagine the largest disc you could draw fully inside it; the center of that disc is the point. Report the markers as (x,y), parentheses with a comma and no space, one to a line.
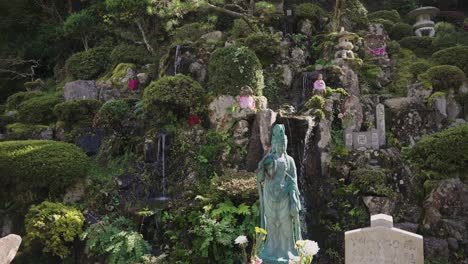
(444,77)
(456,56)
(87,65)
(36,169)
(233,67)
(401,30)
(316,102)
(125,53)
(372,182)
(77,112)
(445,152)
(54,226)
(173,97)
(16,99)
(38,110)
(17,131)
(265,45)
(421,46)
(122,73)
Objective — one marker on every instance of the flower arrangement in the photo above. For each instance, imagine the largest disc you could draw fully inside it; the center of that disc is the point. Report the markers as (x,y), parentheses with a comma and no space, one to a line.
(306,250)
(258,240)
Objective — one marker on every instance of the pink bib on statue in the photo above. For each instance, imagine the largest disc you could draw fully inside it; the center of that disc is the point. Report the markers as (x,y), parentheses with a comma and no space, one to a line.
(247,101)
(319,85)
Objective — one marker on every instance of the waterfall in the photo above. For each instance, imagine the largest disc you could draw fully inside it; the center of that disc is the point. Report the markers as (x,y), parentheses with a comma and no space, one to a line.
(160,164)
(307,85)
(302,179)
(177,59)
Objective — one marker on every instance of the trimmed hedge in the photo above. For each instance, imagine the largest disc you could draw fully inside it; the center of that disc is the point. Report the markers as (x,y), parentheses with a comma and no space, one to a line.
(177,96)
(38,110)
(240,29)
(32,170)
(191,32)
(16,99)
(77,112)
(112,114)
(391,15)
(419,67)
(309,11)
(265,45)
(421,46)
(18,131)
(55,226)
(456,56)
(125,53)
(444,77)
(401,30)
(445,152)
(87,65)
(233,67)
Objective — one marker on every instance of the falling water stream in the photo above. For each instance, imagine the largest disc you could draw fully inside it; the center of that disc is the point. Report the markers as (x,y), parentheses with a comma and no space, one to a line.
(307,85)
(161,162)
(177,59)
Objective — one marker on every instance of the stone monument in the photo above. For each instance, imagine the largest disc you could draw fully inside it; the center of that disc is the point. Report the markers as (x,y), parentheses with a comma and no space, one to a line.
(8,247)
(381,243)
(424,26)
(279,201)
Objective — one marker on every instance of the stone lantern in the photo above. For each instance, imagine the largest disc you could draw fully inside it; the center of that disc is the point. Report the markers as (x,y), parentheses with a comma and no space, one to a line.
(424,26)
(345,45)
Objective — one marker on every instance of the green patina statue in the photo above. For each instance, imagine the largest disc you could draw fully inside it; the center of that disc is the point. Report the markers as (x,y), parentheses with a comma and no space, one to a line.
(279,200)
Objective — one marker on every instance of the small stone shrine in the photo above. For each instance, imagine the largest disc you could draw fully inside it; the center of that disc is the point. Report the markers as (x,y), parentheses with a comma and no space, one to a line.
(371,139)
(381,243)
(424,26)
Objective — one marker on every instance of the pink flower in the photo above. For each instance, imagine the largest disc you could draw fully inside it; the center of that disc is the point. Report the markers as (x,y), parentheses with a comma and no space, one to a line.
(258,260)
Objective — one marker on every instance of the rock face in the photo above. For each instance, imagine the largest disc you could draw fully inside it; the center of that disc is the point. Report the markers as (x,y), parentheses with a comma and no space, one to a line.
(81,89)
(349,80)
(90,142)
(107,91)
(212,36)
(8,247)
(260,139)
(220,117)
(436,249)
(379,205)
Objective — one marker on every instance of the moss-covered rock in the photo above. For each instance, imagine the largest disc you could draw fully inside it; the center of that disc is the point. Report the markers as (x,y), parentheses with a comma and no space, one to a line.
(445,152)
(372,182)
(456,56)
(265,45)
(173,97)
(421,46)
(17,131)
(444,77)
(16,99)
(391,15)
(77,112)
(87,65)
(55,226)
(233,67)
(35,169)
(125,53)
(401,30)
(316,102)
(38,110)
(119,73)
(112,115)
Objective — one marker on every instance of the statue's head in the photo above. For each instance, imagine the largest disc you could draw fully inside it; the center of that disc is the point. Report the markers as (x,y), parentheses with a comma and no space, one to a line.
(279,141)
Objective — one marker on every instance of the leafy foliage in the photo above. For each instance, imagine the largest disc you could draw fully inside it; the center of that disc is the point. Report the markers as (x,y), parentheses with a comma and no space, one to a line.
(24,131)
(53,225)
(77,112)
(117,240)
(191,32)
(265,45)
(112,115)
(456,56)
(421,46)
(233,67)
(401,30)
(310,11)
(16,99)
(372,182)
(38,110)
(34,169)
(391,15)
(173,96)
(240,29)
(444,152)
(444,77)
(316,102)
(87,65)
(125,53)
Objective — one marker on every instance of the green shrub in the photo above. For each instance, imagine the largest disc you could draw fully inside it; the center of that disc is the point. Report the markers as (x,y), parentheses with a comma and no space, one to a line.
(6,119)
(24,131)
(38,110)
(33,84)
(191,32)
(448,36)
(401,30)
(444,152)
(233,67)
(125,53)
(391,15)
(265,45)
(87,65)
(419,67)
(316,102)
(434,96)
(173,96)
(240,29)
(456,56)
(445,77)
(117,240)
(387,24)
(77,112)
(16,99)
(421,46)
(372,182)
(265,9)
(53,225)
(34,169)
(112,115)
(393,47)
(309,11)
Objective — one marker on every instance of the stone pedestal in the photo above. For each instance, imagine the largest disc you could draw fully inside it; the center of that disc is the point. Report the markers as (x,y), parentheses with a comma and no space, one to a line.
(383,243)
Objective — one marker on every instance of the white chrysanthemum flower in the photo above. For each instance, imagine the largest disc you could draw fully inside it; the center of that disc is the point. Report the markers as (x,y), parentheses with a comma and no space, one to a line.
(311,248)
(293,259)
(241,240)
(340,115)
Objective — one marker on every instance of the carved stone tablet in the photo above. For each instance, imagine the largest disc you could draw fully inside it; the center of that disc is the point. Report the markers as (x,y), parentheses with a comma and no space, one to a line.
(383,244)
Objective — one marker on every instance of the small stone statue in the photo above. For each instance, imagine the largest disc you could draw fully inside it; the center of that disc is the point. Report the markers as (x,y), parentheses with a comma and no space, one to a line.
(319,86)
(279,200)
(246,99)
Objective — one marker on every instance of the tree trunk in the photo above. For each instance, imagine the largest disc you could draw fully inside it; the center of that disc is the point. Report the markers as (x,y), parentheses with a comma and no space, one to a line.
(143,35)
